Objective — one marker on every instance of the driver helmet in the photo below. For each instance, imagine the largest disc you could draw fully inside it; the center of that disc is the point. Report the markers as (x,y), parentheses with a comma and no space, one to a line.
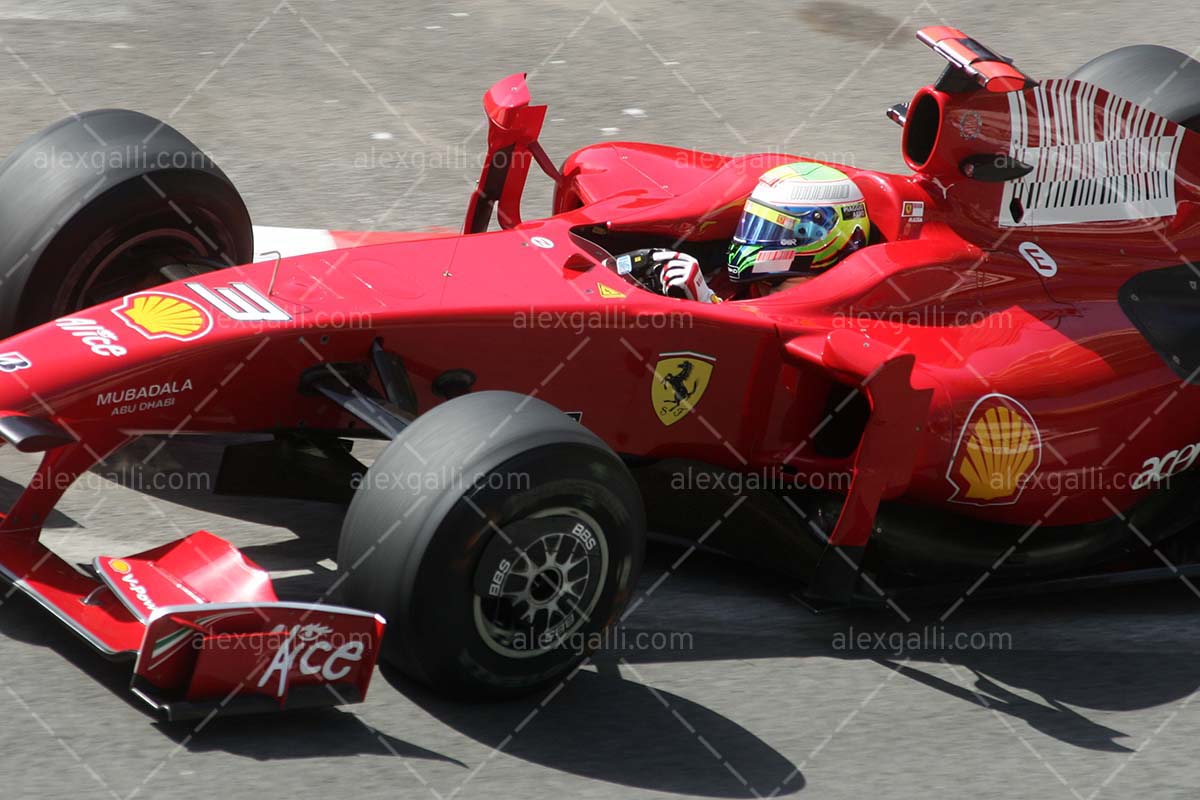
(800,219)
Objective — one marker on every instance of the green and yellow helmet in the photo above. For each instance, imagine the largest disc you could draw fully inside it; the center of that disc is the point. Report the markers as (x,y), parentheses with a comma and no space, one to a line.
(800,219)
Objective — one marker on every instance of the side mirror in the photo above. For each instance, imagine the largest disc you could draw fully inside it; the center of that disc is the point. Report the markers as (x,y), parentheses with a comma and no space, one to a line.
(505,101)
(994,168)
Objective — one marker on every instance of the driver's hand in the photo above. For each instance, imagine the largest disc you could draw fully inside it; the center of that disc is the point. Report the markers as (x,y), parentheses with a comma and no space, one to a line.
(680,276)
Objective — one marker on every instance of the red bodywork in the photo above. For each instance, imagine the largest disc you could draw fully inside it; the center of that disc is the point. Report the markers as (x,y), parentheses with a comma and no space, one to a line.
(970,316)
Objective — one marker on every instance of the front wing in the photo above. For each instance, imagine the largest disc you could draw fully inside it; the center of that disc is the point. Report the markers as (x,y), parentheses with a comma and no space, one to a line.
(204,627)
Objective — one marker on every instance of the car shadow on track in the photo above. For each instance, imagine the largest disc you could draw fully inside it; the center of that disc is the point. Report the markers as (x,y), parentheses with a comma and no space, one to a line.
(609,722)
(1045,661)
(302,734)
(599,725)
(1051,717)
(1118,650)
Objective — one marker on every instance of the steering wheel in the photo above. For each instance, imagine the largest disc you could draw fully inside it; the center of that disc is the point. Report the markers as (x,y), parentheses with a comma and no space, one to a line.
(637,266)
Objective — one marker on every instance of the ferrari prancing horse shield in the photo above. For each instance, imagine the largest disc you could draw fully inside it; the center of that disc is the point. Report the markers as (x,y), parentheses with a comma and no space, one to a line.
(679,382)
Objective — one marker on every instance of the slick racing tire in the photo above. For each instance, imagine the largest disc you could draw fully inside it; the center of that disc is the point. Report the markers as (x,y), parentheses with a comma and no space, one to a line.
(104,204)
(498,537)
(1162,80)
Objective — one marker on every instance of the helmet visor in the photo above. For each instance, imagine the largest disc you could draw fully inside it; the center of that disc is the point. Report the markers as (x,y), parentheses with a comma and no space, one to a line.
(784,226)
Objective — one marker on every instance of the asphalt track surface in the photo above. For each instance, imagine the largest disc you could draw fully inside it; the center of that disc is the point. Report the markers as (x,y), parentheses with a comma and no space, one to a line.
(365,115)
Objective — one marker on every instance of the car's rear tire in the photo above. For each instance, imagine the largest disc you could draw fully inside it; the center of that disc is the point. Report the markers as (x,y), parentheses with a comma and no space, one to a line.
(1162,80)
(106,203)
(498,537)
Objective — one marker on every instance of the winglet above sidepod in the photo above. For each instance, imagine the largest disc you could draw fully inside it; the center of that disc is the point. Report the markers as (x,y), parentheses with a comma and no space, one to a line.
(513,129)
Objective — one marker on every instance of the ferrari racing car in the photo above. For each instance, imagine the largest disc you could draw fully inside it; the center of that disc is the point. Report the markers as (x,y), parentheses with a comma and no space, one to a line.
(997,386)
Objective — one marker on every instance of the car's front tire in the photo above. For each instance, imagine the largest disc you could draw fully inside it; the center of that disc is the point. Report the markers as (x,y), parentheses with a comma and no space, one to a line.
(498,537)
(107,203)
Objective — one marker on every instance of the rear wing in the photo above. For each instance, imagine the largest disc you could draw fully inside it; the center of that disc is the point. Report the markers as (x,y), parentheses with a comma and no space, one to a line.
(972,63)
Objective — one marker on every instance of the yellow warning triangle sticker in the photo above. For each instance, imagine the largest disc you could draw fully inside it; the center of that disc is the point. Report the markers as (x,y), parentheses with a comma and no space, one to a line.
(608,291)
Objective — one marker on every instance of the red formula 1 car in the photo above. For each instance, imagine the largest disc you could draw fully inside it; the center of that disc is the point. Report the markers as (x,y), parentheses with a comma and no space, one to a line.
(999,385)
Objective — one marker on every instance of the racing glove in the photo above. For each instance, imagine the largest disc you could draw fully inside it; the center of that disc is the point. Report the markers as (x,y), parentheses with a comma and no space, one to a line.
(680,276)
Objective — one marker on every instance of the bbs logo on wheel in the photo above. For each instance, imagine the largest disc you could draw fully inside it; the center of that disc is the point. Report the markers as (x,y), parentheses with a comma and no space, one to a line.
(539,583)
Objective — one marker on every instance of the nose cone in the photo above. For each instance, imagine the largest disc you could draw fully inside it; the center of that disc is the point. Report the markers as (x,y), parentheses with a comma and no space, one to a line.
(69,368)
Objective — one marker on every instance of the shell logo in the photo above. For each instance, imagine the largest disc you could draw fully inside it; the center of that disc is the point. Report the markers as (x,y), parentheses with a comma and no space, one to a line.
(999,448)
(160,315)
(119,565)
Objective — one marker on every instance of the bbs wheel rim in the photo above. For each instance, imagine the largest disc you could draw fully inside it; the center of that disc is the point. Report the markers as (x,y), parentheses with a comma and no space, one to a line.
(539,582)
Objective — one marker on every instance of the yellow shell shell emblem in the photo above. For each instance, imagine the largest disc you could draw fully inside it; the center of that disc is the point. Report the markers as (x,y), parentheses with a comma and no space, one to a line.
(119,565)
(999,448)
(680,380)
(159,315)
